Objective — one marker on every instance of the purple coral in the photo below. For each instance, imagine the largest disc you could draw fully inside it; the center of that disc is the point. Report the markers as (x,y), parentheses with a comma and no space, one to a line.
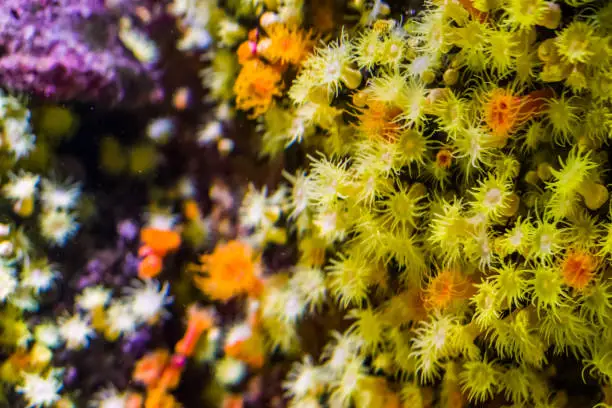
(71,50)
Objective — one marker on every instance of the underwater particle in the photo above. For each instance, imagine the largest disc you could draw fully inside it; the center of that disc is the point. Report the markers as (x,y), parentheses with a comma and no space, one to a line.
(181,99)
(256,86)
(160,130)
(578,269)
(39,390)
(211,132)
(232,269)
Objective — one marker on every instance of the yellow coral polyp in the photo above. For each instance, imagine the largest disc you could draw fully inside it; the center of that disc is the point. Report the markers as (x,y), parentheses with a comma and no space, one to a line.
(256,86)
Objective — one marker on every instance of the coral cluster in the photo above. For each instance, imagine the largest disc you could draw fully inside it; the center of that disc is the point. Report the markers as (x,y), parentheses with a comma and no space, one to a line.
(425,220)
(453,206)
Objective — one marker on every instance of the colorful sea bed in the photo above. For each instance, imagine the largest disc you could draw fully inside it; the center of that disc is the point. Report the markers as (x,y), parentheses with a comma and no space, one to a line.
(288,203)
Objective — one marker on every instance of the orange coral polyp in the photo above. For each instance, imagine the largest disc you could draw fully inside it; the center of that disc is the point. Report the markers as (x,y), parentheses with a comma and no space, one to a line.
(247,51)
(150,367)
(380,121)
(447,287)
(160,241)
(256,86)
(288,44)
(231,270)
(199,321)
(502,112)
(578,269)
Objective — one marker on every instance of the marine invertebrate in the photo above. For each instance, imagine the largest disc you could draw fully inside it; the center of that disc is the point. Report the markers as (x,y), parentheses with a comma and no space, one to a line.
(286,44)
(256,86)
(231,269)
(446,288)
(41,390)
(578,269)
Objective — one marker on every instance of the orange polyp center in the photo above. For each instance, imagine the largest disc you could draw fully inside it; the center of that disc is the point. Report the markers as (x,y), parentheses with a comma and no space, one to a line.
(379,120)
(444,159)
(578,269)
(446,287)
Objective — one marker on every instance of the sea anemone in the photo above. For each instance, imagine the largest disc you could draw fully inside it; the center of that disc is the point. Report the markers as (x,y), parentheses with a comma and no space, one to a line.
(256,86)
(231,270)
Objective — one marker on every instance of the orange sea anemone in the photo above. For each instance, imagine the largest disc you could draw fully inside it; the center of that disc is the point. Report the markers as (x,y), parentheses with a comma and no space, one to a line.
(287,44)
(199,320)
(380,121)
(445,288)
(231,270)
(578,269)
(256,86)
(501,112)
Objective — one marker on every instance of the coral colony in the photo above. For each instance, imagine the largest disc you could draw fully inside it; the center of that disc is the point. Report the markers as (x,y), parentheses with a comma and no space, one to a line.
(288,203)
